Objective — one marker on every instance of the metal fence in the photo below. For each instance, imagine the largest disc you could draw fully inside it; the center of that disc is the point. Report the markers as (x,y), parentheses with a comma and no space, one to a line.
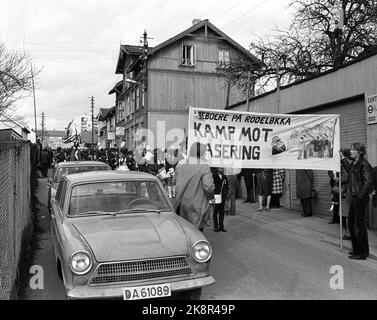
(15,211)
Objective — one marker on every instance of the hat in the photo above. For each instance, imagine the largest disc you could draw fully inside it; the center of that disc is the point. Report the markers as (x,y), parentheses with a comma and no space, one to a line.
(275,139)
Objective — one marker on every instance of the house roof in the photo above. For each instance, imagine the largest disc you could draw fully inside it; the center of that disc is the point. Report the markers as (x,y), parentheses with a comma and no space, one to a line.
(126,49)
(102,113)
(117,88)
(136,50)
(110,112)
(209,25)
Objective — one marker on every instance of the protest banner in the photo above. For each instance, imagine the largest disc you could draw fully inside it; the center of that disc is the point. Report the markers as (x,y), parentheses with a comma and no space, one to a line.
(237,139)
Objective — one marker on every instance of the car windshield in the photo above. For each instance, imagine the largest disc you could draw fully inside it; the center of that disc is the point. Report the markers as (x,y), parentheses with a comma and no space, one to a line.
(117,197)
(71,170)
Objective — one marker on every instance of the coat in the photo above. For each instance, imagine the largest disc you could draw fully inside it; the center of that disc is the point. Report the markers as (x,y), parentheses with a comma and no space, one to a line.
(45,159)
(278,177)
(221,186)
(304,183)
(194,187)
(360,179)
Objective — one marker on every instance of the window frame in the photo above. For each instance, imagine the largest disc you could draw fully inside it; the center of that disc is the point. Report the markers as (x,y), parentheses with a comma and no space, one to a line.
(222,63)
(163,194)
(185,54)
(137,98)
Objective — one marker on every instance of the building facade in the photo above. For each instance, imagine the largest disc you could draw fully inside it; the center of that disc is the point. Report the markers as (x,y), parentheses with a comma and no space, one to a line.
(106,124)
(343,91)
(159,83)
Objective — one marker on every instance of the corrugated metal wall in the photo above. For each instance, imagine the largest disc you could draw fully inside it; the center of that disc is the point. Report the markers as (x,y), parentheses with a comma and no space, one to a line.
(352,129)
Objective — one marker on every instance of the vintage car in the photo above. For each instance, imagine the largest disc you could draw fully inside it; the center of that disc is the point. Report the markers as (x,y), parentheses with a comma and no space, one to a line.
(70,167)
(116,234)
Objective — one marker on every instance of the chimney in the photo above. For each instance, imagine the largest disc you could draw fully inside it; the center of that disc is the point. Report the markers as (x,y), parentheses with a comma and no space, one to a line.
(196,21)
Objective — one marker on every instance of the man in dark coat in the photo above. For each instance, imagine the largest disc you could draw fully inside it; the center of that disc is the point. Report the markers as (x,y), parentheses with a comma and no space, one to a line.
(360,185)
(45,162)
(250,178)
(304,186)
(221,187)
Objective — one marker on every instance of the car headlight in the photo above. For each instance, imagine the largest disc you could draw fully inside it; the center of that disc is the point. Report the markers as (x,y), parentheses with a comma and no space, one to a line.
(80,262)
(202,251)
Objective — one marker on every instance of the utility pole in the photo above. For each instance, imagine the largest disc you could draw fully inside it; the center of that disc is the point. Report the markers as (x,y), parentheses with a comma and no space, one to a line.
(43,126)
(35,106)
(92,107)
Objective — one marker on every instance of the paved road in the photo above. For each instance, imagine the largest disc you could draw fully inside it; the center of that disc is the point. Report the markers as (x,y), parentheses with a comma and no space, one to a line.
(269,255)
(261,258)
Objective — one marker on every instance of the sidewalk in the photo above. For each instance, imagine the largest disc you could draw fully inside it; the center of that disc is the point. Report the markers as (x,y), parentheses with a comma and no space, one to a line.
(290,221)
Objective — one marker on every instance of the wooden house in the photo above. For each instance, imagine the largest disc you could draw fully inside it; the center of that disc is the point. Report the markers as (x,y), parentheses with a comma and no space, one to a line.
(160,83)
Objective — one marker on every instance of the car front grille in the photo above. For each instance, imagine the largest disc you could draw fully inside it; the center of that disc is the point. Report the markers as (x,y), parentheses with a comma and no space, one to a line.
(140,270)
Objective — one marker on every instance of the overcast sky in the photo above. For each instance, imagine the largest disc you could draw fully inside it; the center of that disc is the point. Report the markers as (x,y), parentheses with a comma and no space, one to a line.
(75,43)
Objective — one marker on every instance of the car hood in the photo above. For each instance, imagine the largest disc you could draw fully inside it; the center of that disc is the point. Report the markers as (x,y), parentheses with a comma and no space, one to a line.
(126,237)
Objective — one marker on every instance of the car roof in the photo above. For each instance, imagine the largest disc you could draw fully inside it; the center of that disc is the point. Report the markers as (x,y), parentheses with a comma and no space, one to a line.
(81,163)
(112,175)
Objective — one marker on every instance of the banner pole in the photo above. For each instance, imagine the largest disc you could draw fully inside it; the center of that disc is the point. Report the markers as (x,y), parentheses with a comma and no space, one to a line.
(340,209)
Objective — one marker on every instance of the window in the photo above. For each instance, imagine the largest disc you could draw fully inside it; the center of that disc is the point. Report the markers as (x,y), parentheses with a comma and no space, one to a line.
(188,55)
(143,98)
(133,93)
(120,110)
(105,197)
(62,197)
(224,58)
(137,98)
(123,109)
(128,106)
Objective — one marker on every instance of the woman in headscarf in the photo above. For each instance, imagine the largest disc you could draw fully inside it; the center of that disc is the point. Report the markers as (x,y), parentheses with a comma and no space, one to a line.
(194,187)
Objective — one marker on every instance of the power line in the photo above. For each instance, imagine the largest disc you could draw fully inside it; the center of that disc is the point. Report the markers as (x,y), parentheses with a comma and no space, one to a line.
(210,8)
(171,20)
(190,12)
(228,10)
(247,12)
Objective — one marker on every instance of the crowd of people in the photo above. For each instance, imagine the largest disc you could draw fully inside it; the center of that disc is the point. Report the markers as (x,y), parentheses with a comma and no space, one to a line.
(204,195)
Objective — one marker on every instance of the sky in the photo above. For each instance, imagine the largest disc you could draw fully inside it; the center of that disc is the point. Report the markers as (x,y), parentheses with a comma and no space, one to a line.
(75,43)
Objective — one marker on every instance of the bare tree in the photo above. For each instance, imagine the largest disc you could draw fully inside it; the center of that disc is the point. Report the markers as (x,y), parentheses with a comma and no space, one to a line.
(15,78)
(324,34)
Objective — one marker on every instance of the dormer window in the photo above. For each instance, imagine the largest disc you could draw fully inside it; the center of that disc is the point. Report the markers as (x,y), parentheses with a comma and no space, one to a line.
(188,55)
(223,58)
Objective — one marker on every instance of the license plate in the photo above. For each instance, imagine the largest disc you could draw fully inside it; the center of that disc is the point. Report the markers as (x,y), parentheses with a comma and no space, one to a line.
(147,292)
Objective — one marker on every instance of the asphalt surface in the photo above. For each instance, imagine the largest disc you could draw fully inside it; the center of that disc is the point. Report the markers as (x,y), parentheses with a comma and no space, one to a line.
(268,255)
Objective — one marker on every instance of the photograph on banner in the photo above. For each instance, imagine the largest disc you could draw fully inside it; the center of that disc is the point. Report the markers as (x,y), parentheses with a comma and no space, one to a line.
(260,140)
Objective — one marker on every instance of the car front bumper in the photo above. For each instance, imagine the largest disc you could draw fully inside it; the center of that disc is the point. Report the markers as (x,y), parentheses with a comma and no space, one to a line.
(89,292)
